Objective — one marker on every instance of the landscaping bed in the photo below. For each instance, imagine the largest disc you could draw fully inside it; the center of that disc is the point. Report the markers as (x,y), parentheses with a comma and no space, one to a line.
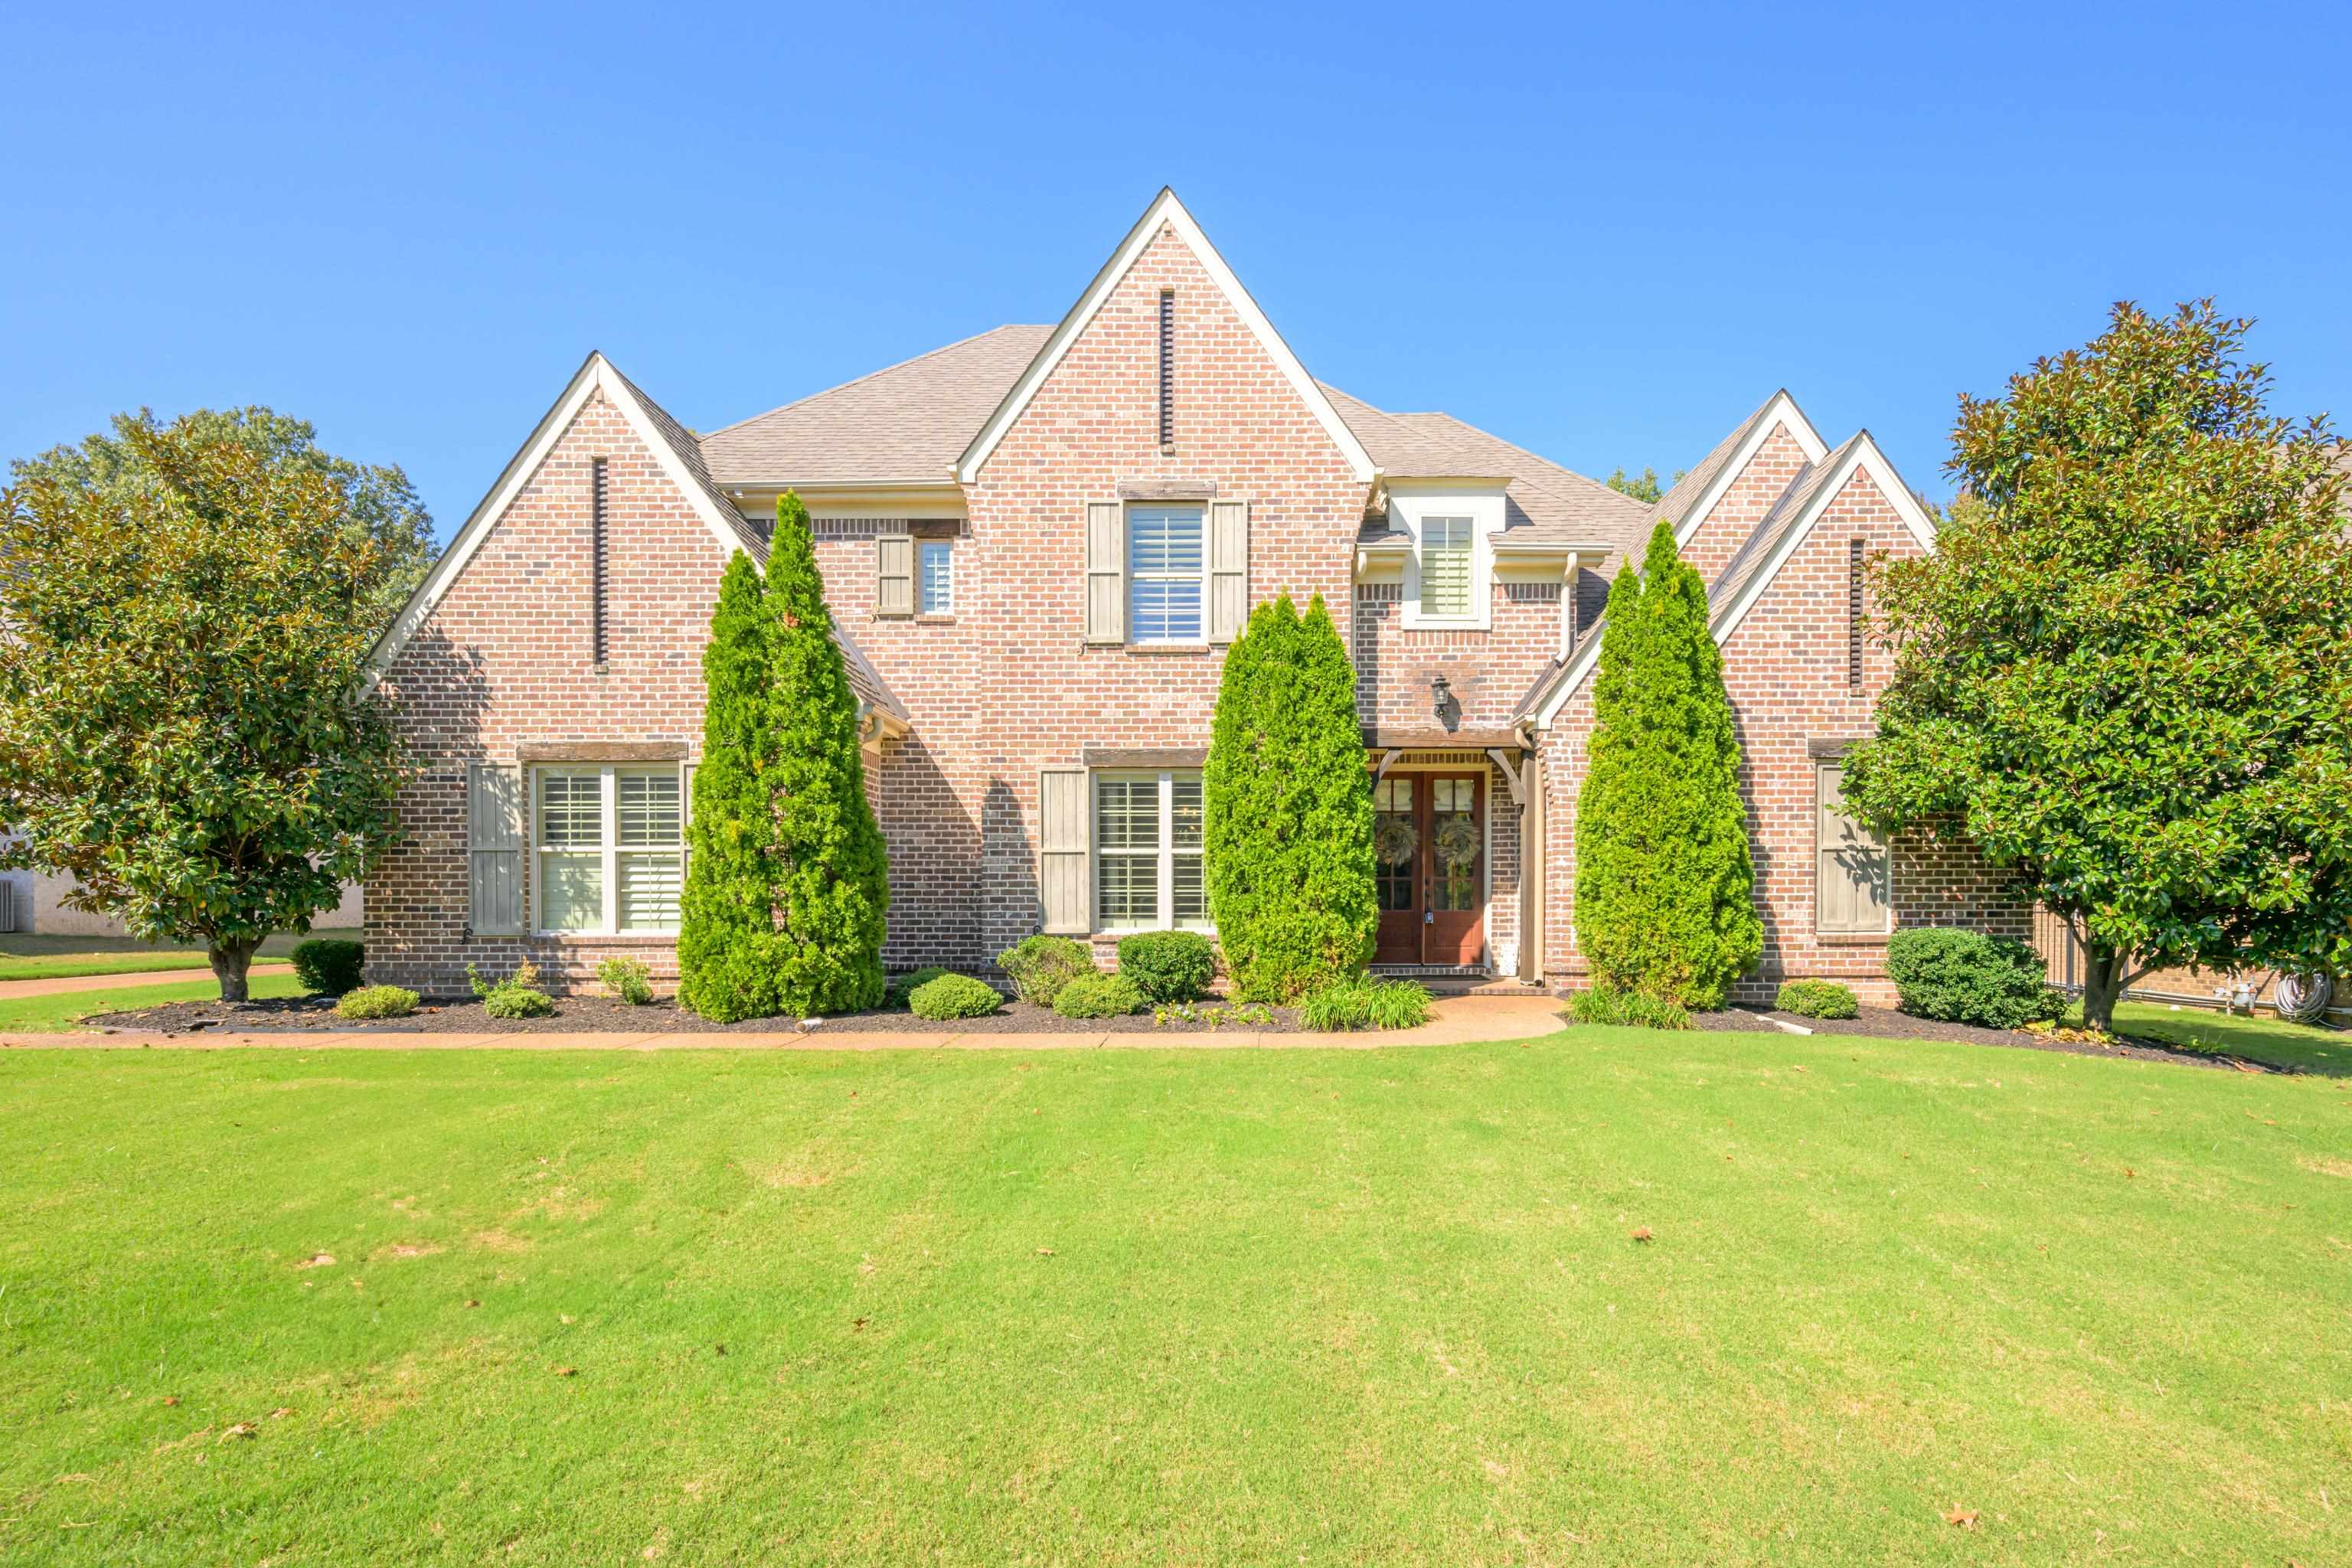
(1886,1024)
(601,1015)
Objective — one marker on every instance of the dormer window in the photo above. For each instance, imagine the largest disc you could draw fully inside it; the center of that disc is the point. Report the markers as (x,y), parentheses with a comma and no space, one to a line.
(1447,551)
(1449,568)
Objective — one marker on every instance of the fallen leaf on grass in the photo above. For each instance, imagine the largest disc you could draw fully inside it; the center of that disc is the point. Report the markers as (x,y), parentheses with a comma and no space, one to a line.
(281,1413)
(567,1372)
(170,1399)
(1641,1233)
(471,1302)
(1965,1518)
(1044,1252)
(317,1260)
(858,1325)
(242,1429)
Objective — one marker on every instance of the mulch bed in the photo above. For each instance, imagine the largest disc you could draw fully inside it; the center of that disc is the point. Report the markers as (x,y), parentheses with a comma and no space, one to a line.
(1885,1024)
(600,1014)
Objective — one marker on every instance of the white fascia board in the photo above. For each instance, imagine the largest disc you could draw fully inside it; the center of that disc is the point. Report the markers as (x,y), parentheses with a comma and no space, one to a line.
(1782,410)
(1164,210)
(595,374)
(1727,620)
(1890,485)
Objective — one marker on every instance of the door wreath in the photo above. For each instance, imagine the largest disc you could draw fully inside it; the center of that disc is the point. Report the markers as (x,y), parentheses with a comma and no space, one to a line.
(1457,843)
(1394,840)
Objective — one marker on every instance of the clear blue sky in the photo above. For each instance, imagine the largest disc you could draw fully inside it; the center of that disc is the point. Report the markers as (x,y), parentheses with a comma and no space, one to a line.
(1605,238)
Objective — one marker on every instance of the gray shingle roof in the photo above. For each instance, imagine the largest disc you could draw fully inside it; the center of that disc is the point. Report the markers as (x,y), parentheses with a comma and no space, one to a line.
(1765,536)
(908,422)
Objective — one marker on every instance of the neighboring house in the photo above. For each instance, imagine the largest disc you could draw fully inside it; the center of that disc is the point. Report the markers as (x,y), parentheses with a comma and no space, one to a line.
(40,908)
(1036,543)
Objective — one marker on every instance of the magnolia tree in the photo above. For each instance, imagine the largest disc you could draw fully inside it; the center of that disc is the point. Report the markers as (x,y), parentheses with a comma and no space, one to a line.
(184,726)
(2123,671)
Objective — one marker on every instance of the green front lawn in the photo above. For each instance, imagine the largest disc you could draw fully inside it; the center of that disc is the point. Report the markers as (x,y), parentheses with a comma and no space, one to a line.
(40,957)
(1081,1307)
(64,1009)
(2264,1038)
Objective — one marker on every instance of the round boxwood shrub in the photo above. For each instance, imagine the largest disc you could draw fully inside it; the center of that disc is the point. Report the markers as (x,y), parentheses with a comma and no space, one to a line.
(1967,977)
(376,1002)
(1099,996)
(954,996)
(1818,999)
(1039,966)
(905,986)
(1169,966)
(329,964)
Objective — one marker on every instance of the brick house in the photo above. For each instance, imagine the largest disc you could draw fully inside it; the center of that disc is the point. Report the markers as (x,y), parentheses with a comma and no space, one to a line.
(1036,543)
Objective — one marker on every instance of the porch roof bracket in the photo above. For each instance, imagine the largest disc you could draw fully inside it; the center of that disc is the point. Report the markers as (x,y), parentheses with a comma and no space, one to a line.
(1388,761)
(1509,765)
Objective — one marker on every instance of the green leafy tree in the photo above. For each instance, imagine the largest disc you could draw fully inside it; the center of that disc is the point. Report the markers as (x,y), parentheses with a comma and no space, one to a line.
(2122,672)
(833,874)
(1664,887)
(183,727)
(727,920)
(1644,488)
(1288,809)
(379,503)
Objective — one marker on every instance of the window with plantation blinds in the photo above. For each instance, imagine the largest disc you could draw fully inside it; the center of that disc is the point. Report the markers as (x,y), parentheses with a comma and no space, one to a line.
(1165,564)
(1148,871)
(1445,566)
(609,850)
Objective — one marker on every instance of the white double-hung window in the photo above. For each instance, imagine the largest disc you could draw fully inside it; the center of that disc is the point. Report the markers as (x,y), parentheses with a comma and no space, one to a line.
(1149,874)
(1448,548)
(1166,567)
(609,850)
(935,578)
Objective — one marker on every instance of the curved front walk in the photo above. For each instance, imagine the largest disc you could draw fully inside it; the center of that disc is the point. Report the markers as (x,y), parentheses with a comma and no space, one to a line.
(1460,1020)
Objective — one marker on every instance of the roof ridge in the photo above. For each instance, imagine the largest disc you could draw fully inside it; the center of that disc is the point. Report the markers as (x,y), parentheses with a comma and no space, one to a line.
(1557,467)
(869,376)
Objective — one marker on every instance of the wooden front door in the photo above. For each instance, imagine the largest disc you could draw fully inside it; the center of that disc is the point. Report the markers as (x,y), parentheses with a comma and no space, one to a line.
(1429,852)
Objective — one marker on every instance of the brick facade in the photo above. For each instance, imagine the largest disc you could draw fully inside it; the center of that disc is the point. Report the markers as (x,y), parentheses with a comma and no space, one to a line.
(1005,685)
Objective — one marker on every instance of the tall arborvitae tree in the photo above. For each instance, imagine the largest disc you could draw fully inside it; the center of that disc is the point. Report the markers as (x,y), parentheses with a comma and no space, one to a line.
(727,922)
(833,889)
(1289,809)
(2122,675)
(1664,887)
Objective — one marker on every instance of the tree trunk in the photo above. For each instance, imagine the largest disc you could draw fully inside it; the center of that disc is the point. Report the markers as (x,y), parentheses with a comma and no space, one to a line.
(230,961)
(2103,983)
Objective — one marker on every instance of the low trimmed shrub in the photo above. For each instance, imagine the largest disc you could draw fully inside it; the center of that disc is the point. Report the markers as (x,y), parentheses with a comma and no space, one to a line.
(1169,966)
(376,1002)
(1365,1004)
(902,987)
(954,996)
(1967,977)
(1039,966)
(328,965)
(1626,1009)
(1818,999)
(627,979)
(1099,996)
(516,996)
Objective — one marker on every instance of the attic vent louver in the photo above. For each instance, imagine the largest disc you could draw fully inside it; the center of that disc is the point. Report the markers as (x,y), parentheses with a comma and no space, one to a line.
(1167,370)
(1854,614)
(597,549)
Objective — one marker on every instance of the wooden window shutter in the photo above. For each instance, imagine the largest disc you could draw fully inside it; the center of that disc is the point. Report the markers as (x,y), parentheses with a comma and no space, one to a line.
(1850,872)
(1228,568)
(1062,850)
(894,574)
(1106,572)
(493,849)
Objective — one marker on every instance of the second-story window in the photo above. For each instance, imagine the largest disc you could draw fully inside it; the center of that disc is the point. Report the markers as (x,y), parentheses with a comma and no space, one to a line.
(935,578)
(1164,565)
(1446,547)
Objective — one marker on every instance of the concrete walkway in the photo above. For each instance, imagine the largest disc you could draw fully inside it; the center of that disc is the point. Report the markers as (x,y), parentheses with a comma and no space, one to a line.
(65,983)
(1460,1020)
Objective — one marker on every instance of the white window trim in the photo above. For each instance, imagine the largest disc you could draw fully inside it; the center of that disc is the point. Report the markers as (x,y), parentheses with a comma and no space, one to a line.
(1127,575)
(1409,507)
(609,850)
(1887,928)
(923,547)
(1168,853)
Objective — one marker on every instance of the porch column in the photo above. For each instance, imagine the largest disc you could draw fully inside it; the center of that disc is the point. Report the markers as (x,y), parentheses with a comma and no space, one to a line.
(1531,867)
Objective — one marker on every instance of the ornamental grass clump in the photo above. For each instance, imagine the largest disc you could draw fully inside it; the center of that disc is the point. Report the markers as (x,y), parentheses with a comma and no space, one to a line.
(1039,966)
(1169,966)
(954,996)
(377,1002)
(330,965)
(1626,1010)
(1099,996)
(1361,1003)
(1818,999)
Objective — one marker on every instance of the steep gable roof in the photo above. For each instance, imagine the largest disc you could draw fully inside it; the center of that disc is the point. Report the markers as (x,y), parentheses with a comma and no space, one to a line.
(905,424)
(1164,211)
(1694,494)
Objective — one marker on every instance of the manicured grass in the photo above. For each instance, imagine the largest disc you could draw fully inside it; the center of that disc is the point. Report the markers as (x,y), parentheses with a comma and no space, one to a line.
(1193,1306)
(40,957)
(2264,1038)
(64,1009)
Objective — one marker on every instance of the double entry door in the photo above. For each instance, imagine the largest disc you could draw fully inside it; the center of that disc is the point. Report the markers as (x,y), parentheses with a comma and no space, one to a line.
(1429,855)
